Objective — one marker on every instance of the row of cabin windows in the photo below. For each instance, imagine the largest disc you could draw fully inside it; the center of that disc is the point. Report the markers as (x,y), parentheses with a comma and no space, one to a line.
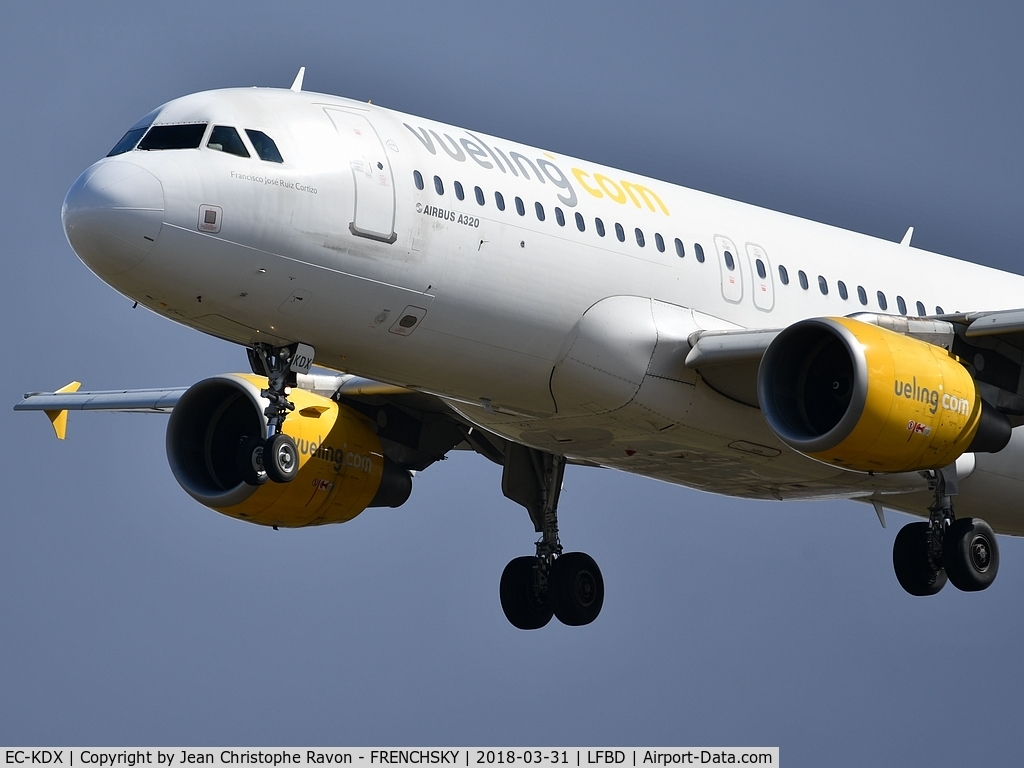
(659,242)
(581,224)
(844,294)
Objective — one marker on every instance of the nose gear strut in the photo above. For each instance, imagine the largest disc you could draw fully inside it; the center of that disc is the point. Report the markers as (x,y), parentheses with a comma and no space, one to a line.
(274,454)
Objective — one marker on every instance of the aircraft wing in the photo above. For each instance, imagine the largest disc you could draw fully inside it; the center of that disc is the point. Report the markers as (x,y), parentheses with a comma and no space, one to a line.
(989,344)
(728,360)
(163,399)
(126,400)
(417,430)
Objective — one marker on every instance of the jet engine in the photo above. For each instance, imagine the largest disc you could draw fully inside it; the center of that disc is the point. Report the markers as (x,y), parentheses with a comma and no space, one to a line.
(342,469)
(862,397)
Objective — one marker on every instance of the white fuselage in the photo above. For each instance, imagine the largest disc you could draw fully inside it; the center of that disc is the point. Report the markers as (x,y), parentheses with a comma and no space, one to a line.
(337,247)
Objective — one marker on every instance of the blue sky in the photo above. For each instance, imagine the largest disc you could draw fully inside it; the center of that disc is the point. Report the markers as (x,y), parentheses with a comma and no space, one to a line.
(131,615)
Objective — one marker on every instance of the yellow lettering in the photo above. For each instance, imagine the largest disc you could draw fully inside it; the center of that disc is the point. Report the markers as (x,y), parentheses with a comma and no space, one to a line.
(645,193)
(579,177)
(618,191)
(618,195)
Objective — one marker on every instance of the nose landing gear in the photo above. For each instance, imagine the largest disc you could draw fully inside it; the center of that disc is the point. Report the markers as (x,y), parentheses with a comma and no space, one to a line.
(568,586)
(275,458)
(964,551)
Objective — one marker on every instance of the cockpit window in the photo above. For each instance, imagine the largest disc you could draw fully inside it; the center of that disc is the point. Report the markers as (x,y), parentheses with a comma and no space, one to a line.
(224,138)
(128,141)
(264,146)
(131,138)
(187,136)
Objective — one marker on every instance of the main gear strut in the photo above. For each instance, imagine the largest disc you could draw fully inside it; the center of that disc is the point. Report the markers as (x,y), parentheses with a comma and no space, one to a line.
(964,550)
(569,585)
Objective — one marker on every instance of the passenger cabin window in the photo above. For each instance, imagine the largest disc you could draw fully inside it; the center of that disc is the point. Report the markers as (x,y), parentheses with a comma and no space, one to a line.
(823,285)
(264,146)
(680,251)
(599,226)
(417,179)
(559,216)
(938,311)
(520,208)
(699,250)
(459,191)
(224,138)
(581,225)
(438,185)
(803,279)
(783,275)
(761,271)
(639,237)
(659,241)
(882,303)
(188,136)
(540,211)
(620,232)
(862,295)
(479,193)
(499,200)
(730,263)
(920,309)
(842,290)
(901,304)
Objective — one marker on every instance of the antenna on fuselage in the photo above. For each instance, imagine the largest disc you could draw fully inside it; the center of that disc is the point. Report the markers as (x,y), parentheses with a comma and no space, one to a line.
(297,83)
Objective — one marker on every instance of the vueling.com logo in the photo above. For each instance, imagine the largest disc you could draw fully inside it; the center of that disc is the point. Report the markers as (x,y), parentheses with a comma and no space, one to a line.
(540,169)
(932,397)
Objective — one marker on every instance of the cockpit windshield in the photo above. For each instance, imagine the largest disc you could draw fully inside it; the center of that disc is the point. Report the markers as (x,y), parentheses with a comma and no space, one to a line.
(131,138)
(180,136)
(147,137)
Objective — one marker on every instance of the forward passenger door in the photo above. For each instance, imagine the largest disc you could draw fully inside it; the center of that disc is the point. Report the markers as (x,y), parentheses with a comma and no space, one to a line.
(374,208)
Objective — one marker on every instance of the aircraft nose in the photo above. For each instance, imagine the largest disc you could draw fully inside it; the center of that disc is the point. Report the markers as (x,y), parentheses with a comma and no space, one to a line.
(112,215)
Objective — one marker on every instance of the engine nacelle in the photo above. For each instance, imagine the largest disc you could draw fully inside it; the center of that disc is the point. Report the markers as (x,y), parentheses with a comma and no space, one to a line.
(342,469)
(865,398)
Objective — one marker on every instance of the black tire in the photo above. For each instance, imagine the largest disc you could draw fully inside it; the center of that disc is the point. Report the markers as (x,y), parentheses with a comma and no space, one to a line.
(910,561)
(281,458)
(523,608)
(971,554)
(250,461)
(576,589)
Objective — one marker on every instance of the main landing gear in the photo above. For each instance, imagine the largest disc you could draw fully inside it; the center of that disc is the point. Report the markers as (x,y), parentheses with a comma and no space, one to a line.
(275,457)
(963,551)
(568,586)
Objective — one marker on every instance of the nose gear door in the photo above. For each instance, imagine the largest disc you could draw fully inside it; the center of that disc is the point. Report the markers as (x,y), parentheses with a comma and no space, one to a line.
(374,208)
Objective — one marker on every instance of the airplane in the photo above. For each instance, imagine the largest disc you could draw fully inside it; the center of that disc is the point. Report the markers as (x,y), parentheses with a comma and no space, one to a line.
(460,291)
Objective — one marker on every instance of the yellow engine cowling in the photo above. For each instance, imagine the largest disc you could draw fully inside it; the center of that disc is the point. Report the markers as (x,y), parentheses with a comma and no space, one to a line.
(865,398)
(342,469)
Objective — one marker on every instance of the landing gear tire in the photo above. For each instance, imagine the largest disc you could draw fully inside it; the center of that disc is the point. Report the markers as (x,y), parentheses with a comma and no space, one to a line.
(971,554)
(524,606)
(281,458)
(575,589)
(914,570)
(250,461)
